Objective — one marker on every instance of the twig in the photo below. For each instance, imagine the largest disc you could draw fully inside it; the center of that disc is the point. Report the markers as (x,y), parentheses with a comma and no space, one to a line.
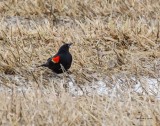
(98,56)
(18,51)
(119,58)
(4,33)
(35,78)
(19,29)
(157,33)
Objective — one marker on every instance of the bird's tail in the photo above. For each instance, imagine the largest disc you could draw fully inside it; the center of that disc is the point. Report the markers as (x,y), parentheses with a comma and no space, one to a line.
(43,65)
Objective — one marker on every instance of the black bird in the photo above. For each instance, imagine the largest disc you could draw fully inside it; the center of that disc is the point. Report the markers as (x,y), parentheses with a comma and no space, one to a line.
(60,62)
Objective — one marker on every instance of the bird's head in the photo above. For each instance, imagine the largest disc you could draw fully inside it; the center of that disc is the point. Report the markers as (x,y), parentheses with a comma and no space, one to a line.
(65,48)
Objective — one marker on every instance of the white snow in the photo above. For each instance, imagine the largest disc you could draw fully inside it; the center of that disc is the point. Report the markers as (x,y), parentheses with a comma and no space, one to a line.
(143,85)
(119,86)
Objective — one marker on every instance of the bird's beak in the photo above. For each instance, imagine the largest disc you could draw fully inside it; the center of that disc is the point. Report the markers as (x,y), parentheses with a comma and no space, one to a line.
(70,44)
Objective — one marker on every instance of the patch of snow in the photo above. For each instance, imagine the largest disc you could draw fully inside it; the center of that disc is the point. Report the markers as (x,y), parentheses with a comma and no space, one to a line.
(118,87)
(144,85)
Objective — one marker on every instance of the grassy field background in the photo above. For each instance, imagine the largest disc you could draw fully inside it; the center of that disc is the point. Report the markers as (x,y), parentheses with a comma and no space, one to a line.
(115,42)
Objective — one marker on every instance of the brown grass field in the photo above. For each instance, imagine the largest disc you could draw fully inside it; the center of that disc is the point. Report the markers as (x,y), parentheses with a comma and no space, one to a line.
(115,42)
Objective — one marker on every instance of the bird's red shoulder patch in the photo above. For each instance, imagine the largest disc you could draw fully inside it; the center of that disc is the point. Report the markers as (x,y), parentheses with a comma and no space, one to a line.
(56,59)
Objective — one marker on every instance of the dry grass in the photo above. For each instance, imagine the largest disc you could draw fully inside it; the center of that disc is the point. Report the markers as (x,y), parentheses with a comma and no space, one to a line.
(118,38)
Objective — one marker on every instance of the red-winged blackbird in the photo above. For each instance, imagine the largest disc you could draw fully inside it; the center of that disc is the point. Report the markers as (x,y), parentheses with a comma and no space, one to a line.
(63,57)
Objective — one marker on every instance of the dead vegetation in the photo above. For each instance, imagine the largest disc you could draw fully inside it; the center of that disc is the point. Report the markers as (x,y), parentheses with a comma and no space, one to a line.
(110,37)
